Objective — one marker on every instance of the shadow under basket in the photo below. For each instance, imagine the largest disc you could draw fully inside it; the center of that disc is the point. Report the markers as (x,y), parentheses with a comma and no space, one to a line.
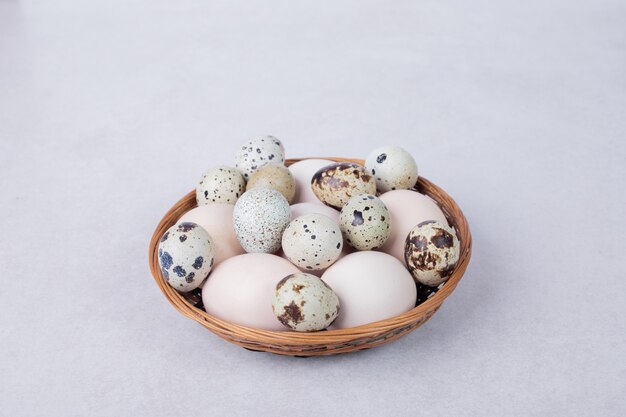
(328,342)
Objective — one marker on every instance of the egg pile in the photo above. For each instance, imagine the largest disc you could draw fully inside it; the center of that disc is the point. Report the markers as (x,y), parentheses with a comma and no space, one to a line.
(313,246)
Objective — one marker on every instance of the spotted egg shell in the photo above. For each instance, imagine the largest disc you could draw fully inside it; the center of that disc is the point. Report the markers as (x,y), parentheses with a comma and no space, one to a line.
(186,256)
(275,176)
(220,185)
(393,168)
(312,242)
(336,183)
(365,222)
(259,219)
(431,252)
(305,303)
(258,152)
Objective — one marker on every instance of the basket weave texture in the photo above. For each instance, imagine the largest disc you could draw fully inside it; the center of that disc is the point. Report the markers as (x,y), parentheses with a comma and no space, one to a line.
(331,341)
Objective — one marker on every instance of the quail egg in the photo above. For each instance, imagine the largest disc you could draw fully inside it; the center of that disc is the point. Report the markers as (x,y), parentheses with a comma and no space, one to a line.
(312,242)
(220,185)
(393,168)
(186,256)
(258,152)
(336,183)
(431,252)
(365,222)
(275,176)
(305,303)
(259,219)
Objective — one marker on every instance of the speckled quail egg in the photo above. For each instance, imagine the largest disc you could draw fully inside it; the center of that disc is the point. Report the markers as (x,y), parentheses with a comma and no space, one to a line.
(259,219)
(336,183)
(220,185)
(304,303)
(365,222)
(258,152)
(431,252)
(393,168)
(312,242)
(275,176)
(186,256)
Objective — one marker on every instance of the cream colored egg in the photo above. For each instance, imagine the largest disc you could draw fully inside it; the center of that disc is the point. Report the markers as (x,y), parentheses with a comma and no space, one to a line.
(217,219)
(303,172)
(275,176)
(371,286)
(241,289)
(407,209)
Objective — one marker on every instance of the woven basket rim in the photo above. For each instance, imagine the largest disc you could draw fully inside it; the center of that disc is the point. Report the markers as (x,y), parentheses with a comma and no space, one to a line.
(280,340)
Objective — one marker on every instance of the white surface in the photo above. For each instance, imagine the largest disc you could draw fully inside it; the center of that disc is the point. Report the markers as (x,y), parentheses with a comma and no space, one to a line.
(111,110)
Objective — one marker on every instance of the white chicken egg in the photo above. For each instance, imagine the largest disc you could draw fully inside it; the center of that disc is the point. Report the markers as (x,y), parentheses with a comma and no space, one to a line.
(312,242)
(241,289)
(186,256)
(217,220)
(407,208)
(365,222)
(258,152)
(393,168)
(301,209)
(304,303)
(371,286)
(259,219)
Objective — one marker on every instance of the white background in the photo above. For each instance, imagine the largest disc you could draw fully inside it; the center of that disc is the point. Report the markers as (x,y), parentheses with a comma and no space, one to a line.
(110,110)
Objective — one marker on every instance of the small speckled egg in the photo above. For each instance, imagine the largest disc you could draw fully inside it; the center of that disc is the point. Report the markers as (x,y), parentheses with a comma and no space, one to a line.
(259,219)
(275,176)
(258,152)
(305,303)
(336,183)
(431,252)
(312,242)
(365,222)
(303,171)
(220,185)
(186,256)
(393,168)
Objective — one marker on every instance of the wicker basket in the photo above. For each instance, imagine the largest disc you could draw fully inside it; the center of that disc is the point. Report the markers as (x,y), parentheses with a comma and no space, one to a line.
(325,342)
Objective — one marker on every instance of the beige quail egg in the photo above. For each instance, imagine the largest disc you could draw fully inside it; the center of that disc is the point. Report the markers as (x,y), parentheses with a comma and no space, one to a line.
(186,256)
(275,176)
(312,242)
(259,219)
(393,168)
(258,152)
(220,185)
(336,183)
(365,222)
(304,303)
(431,252)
